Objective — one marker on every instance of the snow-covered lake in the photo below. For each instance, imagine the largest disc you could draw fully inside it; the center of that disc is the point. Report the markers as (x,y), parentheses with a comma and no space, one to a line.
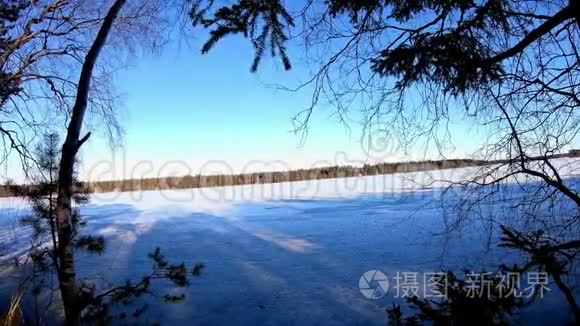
(282,254)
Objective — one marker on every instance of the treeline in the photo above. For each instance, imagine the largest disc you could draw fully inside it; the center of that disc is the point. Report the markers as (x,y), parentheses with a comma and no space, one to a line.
(200,181)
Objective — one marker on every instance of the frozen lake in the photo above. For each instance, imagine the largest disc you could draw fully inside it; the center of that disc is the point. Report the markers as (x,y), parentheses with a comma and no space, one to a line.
(289,253)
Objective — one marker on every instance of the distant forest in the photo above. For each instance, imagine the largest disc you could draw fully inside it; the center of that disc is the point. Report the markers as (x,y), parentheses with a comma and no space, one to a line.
(202,181)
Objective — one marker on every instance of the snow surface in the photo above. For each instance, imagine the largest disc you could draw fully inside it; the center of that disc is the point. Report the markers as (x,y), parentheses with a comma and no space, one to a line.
(287,253)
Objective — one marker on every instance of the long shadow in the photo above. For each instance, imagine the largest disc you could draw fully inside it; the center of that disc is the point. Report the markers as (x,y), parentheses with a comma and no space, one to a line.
(291,261)
(299,262)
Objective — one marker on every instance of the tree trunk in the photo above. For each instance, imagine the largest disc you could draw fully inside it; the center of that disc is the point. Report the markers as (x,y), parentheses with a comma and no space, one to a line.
(67,279)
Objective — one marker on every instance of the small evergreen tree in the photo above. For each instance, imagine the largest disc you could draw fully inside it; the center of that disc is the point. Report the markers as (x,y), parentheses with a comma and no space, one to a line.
(94,304)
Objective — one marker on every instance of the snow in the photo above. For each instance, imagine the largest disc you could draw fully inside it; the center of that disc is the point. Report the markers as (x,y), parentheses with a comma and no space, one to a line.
(286,253)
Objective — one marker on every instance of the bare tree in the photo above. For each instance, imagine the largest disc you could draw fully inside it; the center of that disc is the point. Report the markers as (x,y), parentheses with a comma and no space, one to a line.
(512,68)
(72,143)
(43,47)
(65,187)
(379,57)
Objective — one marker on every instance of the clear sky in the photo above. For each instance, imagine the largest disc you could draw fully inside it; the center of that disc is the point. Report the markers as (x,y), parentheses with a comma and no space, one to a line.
(187,113)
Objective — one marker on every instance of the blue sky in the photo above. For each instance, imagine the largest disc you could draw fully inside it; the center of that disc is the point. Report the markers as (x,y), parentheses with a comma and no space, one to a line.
(187,113)
(189,109)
